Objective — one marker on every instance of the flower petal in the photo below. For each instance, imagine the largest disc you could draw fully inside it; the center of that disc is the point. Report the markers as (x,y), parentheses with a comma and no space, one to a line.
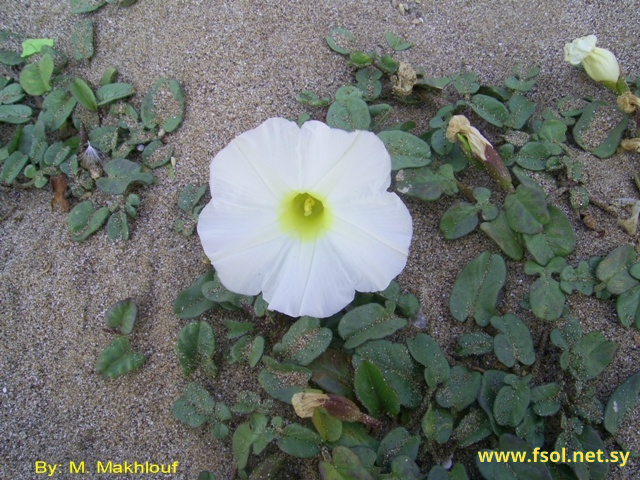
(259,165)
(242,242)
(311,280)
(343,164)
(371,237)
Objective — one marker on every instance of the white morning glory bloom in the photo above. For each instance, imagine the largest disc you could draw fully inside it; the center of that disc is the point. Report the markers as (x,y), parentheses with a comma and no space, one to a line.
(303,215)
(599,63)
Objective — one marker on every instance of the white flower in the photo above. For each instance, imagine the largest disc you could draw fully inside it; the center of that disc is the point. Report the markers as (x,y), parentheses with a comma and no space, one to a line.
(303,215)
(599,63)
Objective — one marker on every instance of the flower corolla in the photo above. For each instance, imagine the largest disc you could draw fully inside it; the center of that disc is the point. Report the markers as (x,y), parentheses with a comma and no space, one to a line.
(599,63)
(303,215)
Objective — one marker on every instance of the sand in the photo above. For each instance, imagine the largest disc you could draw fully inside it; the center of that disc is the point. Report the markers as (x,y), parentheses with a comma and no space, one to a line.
(240,63)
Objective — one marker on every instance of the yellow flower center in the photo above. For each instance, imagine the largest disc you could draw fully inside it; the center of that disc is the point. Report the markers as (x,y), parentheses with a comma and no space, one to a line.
(304,215)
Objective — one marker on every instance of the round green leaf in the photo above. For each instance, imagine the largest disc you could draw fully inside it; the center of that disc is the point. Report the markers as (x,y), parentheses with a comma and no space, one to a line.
(340,40)
(460,390)
(122,315)
(81,91)
(621,402)
(406,150)
(437,424)
(196,346)
(118,359)
(475,292)
(490,109)
(426,351)
(368,322)
(349,114)
(35,78)
(304,341)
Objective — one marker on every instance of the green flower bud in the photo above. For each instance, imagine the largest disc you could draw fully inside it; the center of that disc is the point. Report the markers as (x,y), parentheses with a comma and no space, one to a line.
(599,63)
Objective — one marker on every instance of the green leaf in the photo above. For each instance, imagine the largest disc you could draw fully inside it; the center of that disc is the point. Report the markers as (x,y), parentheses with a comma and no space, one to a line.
(520,111)
(532,156)
(546,399)
(340,40)
(628,307)
(118,359)
(397,367)
(345,465)
(437,424)
(426,351)
(81,91)
(12,166)
(118,226)
(369,82)
(597,136)
(282,380)
(501,233)
(157,154)
(546,298)
(349,114)
(527,210)
(460,390)
(582,278)
(82,40)
(35,77)
(122,173)
(56,108)
(299,441)
(466,83)
(164,105)
(514,341)
(373,391)
(190,197)
(368,322)
(196,407)
(218,293)
(113,91)
(396,443)
(196,346)
(591,355)
(122,315)
(396,43)
(307,97)
(406,150)
(11,59)
(15,114)
(474,343)
(304,341)
(359,59)
(84,220)
(621,403)
(473,428)
(426,184)
(492,382)
(34,45)
(512,401)
(613,270)
(490,109)
(86,6)
(557,239)
(191,303)
(11,93)
(328,427)
(459,220)
(475,292)
(333,373)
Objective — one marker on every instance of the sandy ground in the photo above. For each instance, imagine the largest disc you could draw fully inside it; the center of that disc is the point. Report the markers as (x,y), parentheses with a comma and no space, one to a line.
(241,62)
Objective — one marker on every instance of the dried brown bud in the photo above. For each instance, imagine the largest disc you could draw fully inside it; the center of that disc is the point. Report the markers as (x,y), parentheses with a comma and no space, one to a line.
(337,406)
(404,80)
(59,185)
(628,102)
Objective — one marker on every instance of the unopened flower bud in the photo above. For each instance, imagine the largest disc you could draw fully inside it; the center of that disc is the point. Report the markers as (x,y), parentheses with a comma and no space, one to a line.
(599,63)
(478,149)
